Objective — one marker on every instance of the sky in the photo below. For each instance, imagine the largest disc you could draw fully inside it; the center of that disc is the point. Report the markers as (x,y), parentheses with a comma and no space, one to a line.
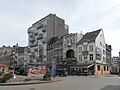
(16,16)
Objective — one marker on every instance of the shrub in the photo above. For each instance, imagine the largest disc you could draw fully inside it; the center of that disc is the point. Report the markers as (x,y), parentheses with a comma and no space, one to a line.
(21,71)
(7,76)
(47,76)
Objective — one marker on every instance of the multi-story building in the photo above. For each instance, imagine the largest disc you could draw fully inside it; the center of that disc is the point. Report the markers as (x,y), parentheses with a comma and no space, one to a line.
(50,49)
(21,55)
(55,49)
(63,49)
(13,56)
(115,65)
(7,55)
(108,54)
(70,47)
(92,52)
(40,32)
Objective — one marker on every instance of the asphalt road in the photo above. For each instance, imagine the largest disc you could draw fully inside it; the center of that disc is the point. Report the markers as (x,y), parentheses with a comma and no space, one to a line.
(73,83)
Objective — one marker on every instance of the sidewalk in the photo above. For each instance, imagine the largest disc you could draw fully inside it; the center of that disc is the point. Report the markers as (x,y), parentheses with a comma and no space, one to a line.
(99,76)
(20,80)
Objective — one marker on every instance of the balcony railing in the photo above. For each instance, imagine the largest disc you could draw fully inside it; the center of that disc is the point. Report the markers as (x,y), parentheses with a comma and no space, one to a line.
(40,26)
(36,33)
(36,49)
(70,59)
(40,36)
(44,42)
(32,39)
(84,52)
(44,30)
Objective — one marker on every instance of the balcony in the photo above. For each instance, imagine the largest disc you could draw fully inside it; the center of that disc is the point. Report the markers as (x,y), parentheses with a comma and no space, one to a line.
(36,49)
(84,52)
(31,35)
(33,44)
(40,26)
(40,47)
(38,59)
(43,30)
(29,31)
(32,55)
(32,39)
(31,61)
(36,33)
(36,44)
(44,42)
(41,56)
(40,36)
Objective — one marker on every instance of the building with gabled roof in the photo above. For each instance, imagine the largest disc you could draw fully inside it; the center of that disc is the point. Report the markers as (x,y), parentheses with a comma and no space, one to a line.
(91,50)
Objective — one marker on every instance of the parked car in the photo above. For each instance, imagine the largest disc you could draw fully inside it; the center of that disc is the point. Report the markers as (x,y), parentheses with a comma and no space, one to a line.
(62,72)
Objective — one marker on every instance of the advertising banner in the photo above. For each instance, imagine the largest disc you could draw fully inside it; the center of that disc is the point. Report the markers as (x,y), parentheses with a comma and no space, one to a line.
(34,71)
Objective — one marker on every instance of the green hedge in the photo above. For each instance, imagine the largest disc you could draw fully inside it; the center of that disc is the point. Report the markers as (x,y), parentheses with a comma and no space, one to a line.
(47,76)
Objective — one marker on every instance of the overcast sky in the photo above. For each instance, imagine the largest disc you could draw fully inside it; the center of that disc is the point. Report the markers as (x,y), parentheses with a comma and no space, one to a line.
(16,16)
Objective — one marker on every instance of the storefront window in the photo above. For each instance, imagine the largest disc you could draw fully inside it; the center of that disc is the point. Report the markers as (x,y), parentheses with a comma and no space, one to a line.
(104,68)
(98,67)
(107,68)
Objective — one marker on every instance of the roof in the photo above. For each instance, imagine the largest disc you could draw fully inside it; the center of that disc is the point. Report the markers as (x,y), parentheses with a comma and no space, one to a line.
(89,36)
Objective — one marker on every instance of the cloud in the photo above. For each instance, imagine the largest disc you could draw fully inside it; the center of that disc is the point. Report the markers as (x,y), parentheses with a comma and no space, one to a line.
(81,15)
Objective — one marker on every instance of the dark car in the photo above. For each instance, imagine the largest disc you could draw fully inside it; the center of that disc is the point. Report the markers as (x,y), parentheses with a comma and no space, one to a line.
(61,72)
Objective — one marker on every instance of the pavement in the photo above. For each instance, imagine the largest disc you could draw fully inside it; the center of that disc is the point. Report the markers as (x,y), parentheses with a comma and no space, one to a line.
(24,80)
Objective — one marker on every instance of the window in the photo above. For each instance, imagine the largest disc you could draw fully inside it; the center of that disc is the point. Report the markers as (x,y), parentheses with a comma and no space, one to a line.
(67,41)
(100,43)
(73,40)
(85,48)
(85,58)
(80,57)
(104,68)
(98,67)
(80,49)
(91,57)
(104,59)
(103,51)
(91,47)
(107,68)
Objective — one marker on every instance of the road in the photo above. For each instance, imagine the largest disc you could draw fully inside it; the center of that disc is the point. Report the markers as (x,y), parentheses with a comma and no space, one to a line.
(73,83)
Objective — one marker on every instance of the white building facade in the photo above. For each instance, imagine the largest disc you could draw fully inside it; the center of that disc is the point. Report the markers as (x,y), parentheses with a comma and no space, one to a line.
(70,47)
(91,49)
